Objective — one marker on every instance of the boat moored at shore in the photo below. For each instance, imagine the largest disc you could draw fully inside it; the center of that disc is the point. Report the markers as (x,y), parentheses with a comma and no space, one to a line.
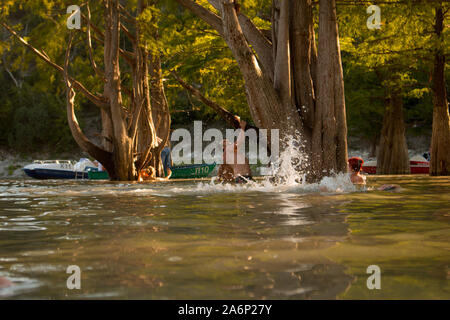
(60,169)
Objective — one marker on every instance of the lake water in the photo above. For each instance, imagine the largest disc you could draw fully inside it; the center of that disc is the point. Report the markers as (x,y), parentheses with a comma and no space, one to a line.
(197,240)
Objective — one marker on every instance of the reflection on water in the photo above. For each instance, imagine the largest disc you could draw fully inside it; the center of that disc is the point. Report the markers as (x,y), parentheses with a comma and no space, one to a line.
(198,240)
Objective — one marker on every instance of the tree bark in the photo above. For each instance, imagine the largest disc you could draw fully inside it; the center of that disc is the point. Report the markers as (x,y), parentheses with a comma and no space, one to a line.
(329,139)
(103,156)
(259,42)
(339,102)
(282,77)
(123,157)
(393,155)
(302,52)
(265,105)
(160,111)
(440,141)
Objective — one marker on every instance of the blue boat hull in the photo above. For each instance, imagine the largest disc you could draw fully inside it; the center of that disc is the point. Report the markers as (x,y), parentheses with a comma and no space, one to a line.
(55,174)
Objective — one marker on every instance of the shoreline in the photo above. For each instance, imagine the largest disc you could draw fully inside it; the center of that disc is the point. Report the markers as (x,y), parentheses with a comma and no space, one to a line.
(11,162)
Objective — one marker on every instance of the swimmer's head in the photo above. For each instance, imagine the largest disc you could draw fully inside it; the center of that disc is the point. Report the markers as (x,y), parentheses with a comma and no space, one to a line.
(151,172)
(355,164)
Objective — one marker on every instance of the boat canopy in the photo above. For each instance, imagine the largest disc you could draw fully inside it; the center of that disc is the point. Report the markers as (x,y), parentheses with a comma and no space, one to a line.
(53,161)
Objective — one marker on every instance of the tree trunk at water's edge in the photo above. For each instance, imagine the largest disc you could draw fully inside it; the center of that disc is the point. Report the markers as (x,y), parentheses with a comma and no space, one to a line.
(440,141)
(393,155)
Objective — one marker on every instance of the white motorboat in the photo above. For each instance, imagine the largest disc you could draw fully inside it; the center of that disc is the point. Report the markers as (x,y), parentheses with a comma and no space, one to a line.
(60,169)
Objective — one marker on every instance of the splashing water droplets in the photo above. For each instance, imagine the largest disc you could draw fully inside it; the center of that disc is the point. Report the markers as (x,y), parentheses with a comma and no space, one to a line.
(289,172)
(291,166)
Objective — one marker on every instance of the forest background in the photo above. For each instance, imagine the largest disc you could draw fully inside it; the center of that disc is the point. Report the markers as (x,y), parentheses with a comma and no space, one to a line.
(396,57)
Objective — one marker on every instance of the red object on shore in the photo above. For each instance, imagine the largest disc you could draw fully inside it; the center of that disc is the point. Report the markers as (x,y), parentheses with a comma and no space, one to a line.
(417,167)
(370,167)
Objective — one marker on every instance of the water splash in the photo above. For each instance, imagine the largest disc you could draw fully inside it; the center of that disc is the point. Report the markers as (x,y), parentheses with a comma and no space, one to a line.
(288,174)
(292,164)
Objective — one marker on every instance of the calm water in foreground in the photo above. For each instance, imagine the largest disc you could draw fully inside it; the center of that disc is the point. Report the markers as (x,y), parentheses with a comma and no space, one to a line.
(193,240)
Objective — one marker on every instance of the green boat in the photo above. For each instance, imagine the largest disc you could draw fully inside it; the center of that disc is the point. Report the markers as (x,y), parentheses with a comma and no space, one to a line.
(191,171)
(98,175)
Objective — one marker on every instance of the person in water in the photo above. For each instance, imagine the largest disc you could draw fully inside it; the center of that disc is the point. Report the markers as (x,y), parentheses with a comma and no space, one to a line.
(355,167)
(226,173)
(232,169)
(149,174)
(427,155)
(166,159)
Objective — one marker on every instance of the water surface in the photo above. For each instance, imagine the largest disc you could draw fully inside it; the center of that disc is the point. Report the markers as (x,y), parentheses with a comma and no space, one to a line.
(194,240)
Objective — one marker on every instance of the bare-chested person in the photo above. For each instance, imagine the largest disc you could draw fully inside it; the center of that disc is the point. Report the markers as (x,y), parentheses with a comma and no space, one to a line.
(149,174)
(232,169)
(355,166)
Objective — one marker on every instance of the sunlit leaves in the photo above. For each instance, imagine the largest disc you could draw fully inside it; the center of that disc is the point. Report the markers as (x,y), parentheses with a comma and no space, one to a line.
(399,56)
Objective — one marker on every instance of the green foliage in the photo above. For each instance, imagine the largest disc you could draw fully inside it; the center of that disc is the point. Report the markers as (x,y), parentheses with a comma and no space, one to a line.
(398,58)
(11,168)
(364,102)
(31,119)
(33,115)
(201,58)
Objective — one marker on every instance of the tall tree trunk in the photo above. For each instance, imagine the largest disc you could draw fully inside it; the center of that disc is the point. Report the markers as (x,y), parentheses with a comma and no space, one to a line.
(440,141)
(144,130)
(329,140)
(303,54)
(282,77)
(264,102)
(159,107)
(123,157)
(107,128)
(160,111)
(104,156)
(392,155)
